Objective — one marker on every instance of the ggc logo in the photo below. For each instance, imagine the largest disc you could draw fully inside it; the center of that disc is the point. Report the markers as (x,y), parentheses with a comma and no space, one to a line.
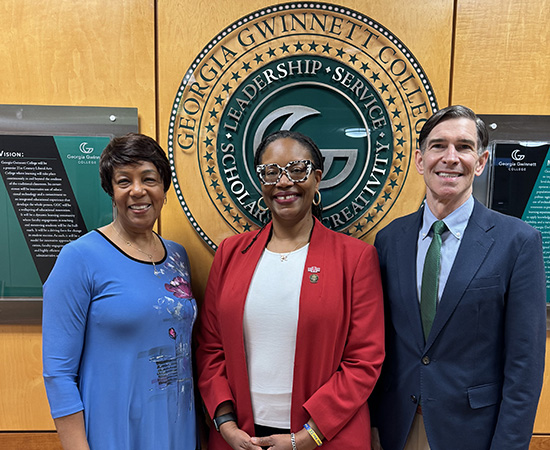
(325,71)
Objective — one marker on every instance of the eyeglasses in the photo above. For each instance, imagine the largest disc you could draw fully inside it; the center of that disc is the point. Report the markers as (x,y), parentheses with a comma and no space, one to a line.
(296,171)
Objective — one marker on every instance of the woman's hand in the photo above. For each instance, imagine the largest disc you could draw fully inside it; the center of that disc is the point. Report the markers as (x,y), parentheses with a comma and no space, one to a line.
(237,438)
(273,442)
(283,441)
(375,439)
(71,431)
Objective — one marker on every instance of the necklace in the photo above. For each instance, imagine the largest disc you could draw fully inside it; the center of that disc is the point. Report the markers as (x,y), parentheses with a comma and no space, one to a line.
(284,256)
(149,255)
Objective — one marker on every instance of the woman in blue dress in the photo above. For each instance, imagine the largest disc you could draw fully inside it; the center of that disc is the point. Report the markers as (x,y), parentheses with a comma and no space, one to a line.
(117,320)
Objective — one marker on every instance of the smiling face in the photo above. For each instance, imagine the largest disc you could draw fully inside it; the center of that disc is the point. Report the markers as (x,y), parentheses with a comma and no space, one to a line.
(449,164)
(138,193)
(289,202)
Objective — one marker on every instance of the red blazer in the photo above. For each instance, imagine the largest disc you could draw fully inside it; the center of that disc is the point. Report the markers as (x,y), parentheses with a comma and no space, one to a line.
(339,342)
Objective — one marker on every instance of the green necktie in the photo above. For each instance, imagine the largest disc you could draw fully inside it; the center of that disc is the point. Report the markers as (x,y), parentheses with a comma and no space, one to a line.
(430,278)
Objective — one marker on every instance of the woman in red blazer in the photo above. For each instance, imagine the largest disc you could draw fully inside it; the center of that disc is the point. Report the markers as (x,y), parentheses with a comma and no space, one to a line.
(291,338)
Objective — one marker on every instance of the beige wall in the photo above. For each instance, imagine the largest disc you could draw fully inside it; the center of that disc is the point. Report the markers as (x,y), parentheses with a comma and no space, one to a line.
(491,56)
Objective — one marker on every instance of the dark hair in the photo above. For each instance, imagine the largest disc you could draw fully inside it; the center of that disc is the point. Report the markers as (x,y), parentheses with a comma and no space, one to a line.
(455,112)
(307,143)
(131,149)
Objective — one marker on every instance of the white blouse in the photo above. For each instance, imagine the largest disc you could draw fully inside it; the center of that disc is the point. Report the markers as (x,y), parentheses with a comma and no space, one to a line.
(270,324)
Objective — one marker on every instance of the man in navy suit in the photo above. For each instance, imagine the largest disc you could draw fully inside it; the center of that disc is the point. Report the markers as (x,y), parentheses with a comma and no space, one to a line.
(470,377)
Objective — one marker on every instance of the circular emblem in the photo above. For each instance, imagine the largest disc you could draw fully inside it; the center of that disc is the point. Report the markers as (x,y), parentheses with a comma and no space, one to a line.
(326,71)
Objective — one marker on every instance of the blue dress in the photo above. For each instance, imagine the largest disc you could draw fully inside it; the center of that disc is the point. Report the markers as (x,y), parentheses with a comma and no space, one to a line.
(117,345)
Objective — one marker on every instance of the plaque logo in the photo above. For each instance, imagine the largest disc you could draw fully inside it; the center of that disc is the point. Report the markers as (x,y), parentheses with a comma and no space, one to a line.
(517,155)
(84,149)
(320,69)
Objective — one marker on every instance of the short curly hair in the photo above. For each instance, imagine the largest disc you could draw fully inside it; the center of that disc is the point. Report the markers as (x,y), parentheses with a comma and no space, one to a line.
(131,149)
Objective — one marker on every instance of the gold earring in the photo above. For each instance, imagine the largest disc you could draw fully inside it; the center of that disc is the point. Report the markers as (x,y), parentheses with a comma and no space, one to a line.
(317,203)
(260,207)
(165,200)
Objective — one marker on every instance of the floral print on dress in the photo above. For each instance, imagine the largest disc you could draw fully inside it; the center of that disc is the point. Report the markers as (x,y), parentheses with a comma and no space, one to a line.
(179,287)
(172,333)
(177,265)
(173,362)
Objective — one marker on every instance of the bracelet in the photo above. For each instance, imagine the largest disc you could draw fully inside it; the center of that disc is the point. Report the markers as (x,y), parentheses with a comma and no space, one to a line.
(313,434)
(293,441)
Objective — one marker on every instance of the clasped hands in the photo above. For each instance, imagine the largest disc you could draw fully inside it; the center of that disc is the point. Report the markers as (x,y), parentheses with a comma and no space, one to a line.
(240,440)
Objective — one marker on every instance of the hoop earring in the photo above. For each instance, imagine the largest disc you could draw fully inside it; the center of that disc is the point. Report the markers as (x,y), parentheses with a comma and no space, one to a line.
(318,202)
(260,207)
(165,200)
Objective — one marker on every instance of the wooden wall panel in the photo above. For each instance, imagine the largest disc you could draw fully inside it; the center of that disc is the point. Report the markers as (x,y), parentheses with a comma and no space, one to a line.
(181,39)
(23,404)
(30,441)
(501,58)
(77,52)
(501,66)
(82,52)
(542,421)
(540,443)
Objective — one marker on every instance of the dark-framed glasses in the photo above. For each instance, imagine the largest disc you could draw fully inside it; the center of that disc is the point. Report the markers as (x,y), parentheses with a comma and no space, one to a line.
(296,171)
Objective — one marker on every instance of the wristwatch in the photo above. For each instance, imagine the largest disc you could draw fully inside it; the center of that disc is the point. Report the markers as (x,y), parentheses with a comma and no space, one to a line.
(229,417)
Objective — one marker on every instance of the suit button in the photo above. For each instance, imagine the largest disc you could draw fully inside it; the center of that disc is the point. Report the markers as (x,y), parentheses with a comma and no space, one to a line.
(414,399)
(426,360)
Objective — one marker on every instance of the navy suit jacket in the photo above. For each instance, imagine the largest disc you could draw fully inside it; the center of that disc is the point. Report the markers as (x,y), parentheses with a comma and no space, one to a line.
(480,373)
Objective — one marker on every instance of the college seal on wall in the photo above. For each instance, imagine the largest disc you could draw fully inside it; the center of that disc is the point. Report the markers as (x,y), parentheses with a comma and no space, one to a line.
(323,70)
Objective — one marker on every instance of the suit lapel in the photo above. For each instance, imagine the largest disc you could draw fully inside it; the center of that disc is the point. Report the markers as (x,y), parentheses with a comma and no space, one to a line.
(472,252)
(316,272)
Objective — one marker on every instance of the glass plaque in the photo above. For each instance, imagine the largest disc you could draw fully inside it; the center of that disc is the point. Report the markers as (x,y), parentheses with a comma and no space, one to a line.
(50,192)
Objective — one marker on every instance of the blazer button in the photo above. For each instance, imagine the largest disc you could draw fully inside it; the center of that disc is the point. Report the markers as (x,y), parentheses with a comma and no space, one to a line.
(426,360)
(414,399)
